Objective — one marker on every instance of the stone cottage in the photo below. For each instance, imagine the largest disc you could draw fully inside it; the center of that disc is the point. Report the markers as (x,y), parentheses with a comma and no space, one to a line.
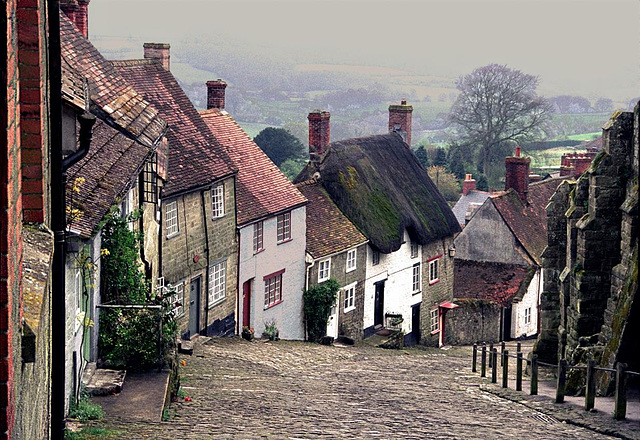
(379,185)
(199,249)
(271,218)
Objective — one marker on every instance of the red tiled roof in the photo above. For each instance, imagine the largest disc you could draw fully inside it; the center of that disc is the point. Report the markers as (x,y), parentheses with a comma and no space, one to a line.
(501,283)
(328,229)
(196,158)
(262,189)
(528,223)
(114,97)
(109,169)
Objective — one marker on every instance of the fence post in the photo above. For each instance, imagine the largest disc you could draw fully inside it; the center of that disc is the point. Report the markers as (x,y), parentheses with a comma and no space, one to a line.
(490,355)
(475,361)
(494,366)
(505,369)
(534,374)
(519,371)
(501,353)
(483,371)
(561,386)
(518,347)
(590,393)
(620,409)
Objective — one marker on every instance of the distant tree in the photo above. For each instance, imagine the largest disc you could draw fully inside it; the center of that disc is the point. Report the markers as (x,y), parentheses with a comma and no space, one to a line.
(455,160)
(570,104)
(280,145)
(482,184)
(422,156)
(292,167)
(497,104)
(440,159)
(603,105)
(446,182)
(299,129)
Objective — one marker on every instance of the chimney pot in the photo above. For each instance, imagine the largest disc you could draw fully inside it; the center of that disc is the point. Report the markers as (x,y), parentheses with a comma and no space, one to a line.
(216,94)
(319,133)
(469,184)
(517,175)
(158,51)
(400,120)
(78,12)
(518,151)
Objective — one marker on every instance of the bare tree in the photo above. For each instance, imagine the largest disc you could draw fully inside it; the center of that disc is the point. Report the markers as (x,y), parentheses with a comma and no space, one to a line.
(497,104)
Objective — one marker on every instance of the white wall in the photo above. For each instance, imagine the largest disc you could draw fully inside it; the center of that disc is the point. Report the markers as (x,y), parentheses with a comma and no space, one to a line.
(530,300)
(397,269)
(289,256)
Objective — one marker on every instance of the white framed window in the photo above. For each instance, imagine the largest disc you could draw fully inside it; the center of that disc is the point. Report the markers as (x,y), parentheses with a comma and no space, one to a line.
(217,200)
(414,249)
(217,281)
(375,257)
(351,260)
(415,283)
(284,227)
(324,270)
(273,289)
(258,242)
(433,320)
(349,297)
(176,298)
(433,270)
(171,218)
(527,315)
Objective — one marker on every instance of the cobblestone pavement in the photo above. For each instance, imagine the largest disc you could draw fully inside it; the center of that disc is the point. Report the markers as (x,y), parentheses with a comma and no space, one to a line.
(292,390)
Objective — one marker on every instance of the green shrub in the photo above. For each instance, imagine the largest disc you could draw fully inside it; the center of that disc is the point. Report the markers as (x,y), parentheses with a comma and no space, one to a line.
(318,301)
(84,410)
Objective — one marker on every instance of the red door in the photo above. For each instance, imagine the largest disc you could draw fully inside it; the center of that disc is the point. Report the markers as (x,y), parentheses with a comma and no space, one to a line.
(246,304)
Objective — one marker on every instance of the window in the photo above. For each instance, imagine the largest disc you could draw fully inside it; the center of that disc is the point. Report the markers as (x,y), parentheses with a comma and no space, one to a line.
(217,201)
(273,289)
(217,281)
(349,297)
(414,250)
(375,257)
(351,260)
(171,218)
(258,229)
(324,270)
(435,325)
(527,315)
(176,298)
(433,271)
(150,180)
(416,278)
(284,227)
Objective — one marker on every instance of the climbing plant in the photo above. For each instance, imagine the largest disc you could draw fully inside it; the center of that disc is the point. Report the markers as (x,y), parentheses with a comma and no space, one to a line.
(318,301)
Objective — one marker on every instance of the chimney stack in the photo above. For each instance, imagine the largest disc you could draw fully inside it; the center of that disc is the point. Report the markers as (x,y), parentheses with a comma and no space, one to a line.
(319,133)
(469,184)
(517,175)
(78,13)
(158,51)
(400,120)
(215,94)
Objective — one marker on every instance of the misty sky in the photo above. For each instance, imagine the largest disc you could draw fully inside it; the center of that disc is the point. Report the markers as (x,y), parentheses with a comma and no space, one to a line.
(589,48)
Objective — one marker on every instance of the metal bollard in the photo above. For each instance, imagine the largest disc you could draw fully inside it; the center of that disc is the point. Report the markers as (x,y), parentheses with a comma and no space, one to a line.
(505,369)
(590,392)
(501,353)
(519,372)
(490,351)
(534,375)
(483,371)
(561,387)
(474,361)
(620,410)
(494,365)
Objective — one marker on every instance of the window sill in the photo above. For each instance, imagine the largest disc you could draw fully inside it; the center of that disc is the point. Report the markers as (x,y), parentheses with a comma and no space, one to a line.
(175,234)
(213,219)
(349,309)
(273,305)
(431,283)
(217,302)
(285,241)
(323,280)
(258,251)
(350,270)
(435,332)
(416,292)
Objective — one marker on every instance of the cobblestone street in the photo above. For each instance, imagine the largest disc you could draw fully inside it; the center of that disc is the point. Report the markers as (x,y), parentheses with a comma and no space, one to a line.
(290,390)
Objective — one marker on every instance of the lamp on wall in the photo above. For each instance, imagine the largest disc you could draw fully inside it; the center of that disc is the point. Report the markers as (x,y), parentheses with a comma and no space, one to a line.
(452,252)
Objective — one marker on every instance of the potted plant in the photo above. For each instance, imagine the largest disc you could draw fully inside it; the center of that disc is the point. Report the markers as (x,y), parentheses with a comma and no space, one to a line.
(248,333)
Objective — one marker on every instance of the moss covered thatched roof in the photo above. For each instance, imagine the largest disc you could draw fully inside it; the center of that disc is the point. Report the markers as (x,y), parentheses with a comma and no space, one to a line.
(381,187)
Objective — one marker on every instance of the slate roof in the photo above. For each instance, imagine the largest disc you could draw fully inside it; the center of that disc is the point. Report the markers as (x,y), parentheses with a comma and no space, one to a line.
(497,282)
(196,158)
(381,187)
(462,205)
(261,188)
(528,223)
(112,97)
(75,87)
(110,169)
(328,230)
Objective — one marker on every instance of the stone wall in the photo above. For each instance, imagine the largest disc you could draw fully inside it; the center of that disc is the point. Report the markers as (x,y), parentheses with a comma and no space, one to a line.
(474,321)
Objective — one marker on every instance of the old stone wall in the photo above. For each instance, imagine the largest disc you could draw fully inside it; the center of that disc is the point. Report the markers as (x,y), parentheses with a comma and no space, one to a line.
(474,321)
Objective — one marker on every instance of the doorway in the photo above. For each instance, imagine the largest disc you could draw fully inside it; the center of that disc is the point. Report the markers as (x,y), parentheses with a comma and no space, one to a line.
(246,303)
(194,307)
(378,305)
(415,323)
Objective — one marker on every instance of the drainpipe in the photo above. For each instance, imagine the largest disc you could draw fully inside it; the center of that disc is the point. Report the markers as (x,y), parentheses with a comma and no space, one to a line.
(206,272)
(306,284)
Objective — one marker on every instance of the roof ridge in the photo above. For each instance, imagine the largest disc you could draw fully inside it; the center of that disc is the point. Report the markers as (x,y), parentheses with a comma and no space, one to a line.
(134,62)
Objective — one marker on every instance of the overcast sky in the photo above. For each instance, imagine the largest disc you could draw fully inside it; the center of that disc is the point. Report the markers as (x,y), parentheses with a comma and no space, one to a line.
(589,48)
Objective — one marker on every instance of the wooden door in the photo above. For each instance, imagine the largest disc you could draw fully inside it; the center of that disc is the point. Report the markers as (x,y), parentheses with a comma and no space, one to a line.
(194,307)
(246,304)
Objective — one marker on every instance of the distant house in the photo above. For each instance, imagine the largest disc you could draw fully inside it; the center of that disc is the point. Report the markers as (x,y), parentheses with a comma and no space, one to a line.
(379,185)
(336,249)
(199,247)
(271,228)
(112,162)
(504,240)
(470,200)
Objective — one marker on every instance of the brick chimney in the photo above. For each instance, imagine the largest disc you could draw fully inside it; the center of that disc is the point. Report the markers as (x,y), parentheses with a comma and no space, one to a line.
(158,51)
(319,133)
(400,120)
(78,13)
(469,184)
(517,174)
(215,94)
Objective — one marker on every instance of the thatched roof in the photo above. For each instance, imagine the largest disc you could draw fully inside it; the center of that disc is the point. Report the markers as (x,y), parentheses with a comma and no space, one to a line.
(381,187)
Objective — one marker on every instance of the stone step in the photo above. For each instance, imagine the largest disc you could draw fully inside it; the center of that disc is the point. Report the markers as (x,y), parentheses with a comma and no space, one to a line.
(102,381)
